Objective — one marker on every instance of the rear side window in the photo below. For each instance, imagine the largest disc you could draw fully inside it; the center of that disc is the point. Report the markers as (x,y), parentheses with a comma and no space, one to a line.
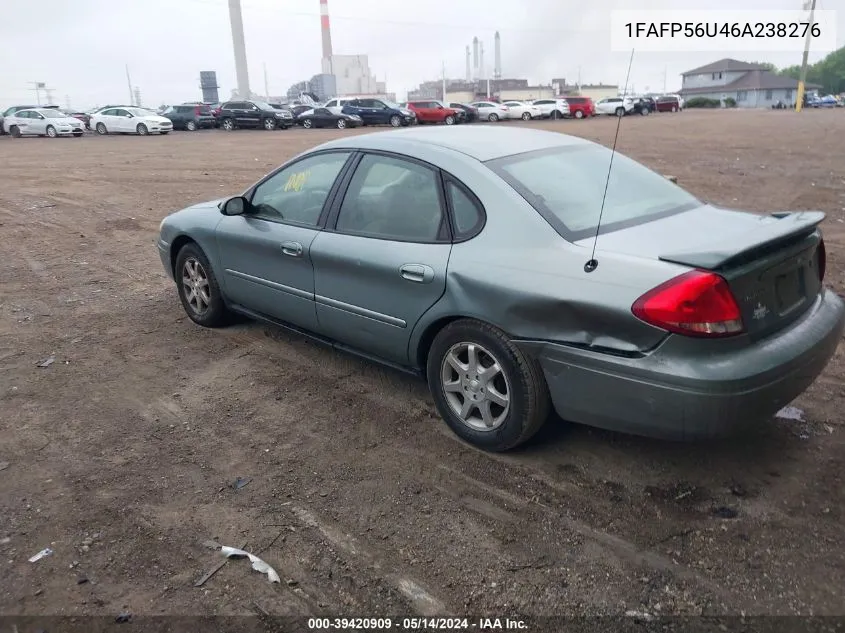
(467,213)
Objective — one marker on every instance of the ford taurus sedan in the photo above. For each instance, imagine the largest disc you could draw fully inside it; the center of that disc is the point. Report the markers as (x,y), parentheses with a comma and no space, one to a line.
(466,255)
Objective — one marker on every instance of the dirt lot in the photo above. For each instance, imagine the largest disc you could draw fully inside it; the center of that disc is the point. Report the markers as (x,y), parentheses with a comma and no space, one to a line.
(121,454)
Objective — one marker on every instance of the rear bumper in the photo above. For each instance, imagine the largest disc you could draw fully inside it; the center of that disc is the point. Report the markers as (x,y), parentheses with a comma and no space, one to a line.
(674,394)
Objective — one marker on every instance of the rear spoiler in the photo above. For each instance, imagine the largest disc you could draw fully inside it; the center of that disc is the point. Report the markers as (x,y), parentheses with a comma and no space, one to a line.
(789,225)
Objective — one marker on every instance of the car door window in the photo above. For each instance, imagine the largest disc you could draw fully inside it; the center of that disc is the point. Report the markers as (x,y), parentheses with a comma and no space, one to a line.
(331,104)
(391,198)
(297,193)
(467,213)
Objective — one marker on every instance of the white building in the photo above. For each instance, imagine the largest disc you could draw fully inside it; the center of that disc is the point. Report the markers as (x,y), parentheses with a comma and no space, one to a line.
(352,74)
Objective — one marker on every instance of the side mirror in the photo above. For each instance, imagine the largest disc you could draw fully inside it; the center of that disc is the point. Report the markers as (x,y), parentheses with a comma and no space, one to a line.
(235,206)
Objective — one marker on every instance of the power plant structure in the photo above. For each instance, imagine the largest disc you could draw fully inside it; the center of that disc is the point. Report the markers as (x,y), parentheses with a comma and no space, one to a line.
(478,70)
(325,29)
(239,44)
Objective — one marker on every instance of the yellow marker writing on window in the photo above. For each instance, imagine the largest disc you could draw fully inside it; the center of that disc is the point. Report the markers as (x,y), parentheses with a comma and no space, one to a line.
(297,180)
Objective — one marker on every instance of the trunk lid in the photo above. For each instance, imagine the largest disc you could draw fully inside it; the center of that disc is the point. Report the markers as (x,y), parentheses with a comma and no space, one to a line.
(770,262)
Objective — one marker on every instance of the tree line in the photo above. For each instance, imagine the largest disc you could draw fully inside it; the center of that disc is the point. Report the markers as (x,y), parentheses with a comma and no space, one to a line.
(828,72)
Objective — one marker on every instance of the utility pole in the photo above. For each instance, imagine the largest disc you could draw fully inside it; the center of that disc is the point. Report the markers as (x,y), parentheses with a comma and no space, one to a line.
(129,83)
(443,77)
(665,70)
(266,84)
(799,100)
(37,87)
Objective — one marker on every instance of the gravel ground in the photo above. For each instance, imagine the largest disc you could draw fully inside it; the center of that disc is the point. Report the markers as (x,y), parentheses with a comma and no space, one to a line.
(120,455)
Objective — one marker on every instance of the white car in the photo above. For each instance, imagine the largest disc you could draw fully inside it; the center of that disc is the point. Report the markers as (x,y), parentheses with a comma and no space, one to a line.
(523,110)
(552,108)
(617,106)
(491,111)
(130,121)
(335,106)
(42,122)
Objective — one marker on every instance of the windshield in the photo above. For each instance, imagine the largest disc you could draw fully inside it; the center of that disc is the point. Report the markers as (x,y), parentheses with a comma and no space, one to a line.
(566,185)
(140,112)
(393,106)
(264,106)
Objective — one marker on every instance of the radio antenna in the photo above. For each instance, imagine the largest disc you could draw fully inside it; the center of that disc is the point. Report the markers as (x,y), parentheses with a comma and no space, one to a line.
(593,263)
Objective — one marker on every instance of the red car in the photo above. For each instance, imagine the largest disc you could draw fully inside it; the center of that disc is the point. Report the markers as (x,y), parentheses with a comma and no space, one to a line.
(668,104)
(581,107)
(433,112)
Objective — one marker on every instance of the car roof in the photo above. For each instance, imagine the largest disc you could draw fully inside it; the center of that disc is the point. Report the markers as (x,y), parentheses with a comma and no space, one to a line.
(480,142)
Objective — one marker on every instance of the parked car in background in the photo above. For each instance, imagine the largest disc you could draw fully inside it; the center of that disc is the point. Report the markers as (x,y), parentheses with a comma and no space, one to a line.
(667,103)
(42,122)
(130,120)
(615,106)
(323,117)
(190,117)
(82,116)
(644,106)
(401,247)
(470,111)
(379,112)
(431,111)
(297,110)
(253,114)
(491,111)
(12,110)
(828,101)
(336,105)
(580,107)
(553,108)
(523,110)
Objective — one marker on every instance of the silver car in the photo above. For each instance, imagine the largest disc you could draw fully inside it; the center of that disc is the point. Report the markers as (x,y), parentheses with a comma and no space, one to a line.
(466,255)
(42,122)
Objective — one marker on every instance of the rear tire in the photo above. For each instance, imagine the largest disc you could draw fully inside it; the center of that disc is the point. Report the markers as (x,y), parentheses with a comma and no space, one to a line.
(51,131)
(449,120)
(269,125)
(674,108)
(307,124)
(518,382)
(526,116)
(493,118)
(191,126)
(556,115)
(142,130)
(341,124)
(15,131)
(620,112)
(101,129)
(579,114)
(228,124)
(645,112)
(198,289)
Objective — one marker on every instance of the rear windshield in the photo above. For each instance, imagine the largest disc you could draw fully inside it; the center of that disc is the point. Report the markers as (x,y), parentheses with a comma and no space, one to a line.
(566,186)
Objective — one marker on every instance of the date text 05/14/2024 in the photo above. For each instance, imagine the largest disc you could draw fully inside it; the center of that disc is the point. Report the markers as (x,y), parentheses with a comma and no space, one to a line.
(417,624)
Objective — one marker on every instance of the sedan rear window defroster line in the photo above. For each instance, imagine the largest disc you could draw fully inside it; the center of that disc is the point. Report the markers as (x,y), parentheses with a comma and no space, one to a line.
(498,165)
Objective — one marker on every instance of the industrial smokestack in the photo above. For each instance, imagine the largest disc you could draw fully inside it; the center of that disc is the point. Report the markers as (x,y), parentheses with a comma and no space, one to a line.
(239,44)
(469,72)
(475,54)
(497,57)
(481,59)
(324,25)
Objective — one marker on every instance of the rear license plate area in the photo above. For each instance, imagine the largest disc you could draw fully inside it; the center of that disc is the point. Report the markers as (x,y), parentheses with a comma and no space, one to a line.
(789,289)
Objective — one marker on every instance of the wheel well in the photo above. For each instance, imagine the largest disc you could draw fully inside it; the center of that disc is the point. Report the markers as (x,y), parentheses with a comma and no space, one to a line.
(427,339)
(177,246)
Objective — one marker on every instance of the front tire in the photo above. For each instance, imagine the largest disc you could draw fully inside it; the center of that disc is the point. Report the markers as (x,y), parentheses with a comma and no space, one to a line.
(341,124)
(579,114)
(395,121)
(556,115)
(674,108)
(620,112)
(198,289)
(493,118)
(486,389)
(191,126)
(142,130)
(449,120)
(15,131)
(51,131)
(526,116)
(269,125)
(645,112)
(228,124)
(307,124)
(101,129)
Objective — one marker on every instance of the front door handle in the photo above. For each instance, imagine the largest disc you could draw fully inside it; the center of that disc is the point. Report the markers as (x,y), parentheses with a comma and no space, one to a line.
(292,249)
(418,273)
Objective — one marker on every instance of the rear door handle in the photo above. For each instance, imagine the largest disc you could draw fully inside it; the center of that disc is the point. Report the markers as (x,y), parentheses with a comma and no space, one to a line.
(418,273)
(292,249)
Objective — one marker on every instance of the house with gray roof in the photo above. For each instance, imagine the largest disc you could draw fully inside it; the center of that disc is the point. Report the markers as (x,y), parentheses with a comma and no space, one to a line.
(750,85)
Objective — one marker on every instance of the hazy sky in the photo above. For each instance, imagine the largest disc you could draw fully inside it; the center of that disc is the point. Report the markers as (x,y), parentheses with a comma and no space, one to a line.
(80,47)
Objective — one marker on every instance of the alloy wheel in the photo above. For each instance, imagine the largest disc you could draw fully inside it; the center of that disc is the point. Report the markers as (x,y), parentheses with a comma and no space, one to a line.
(195,286)
(475,386)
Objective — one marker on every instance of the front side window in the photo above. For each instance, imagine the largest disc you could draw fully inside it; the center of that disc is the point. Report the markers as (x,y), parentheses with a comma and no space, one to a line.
(566,185)
(298,192)
(391,198)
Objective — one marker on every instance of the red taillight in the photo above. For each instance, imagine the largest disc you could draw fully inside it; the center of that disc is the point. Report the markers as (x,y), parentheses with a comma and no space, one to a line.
(697,303)
(198,111)
(822,260)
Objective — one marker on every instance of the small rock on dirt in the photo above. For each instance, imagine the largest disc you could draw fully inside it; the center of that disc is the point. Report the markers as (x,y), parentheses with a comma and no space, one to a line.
(4,465)
(123,618)
(724,512)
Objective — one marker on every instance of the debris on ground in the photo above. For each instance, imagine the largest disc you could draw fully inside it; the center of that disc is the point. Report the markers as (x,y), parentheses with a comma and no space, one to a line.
(790,413)
(240,482)
(215,546)
(42,554)
(47,361)
(639,615)
(123,618)
(4,465)
(257,564)
(724,512)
